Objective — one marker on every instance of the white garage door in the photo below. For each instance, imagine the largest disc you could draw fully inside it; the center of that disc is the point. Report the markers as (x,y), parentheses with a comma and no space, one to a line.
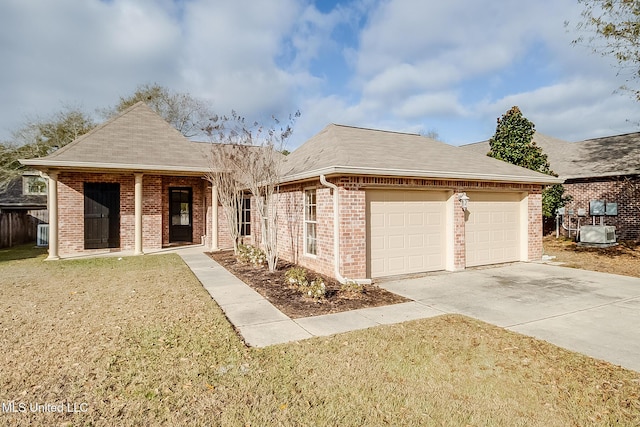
(406,231)
(492,228)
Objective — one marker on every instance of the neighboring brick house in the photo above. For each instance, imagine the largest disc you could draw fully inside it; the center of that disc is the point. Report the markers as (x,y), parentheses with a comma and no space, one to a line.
(605,169)
(354,203)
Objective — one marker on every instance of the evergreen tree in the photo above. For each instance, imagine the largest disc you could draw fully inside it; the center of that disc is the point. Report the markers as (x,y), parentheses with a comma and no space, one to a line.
(513,143)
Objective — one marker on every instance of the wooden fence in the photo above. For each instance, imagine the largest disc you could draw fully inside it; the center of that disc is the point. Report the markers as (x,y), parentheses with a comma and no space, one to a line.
(19,227)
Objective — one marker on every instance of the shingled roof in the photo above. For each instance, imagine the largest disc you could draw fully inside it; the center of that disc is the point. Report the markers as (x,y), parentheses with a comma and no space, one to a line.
(136,139)
(598,157)
(339,149)
(13,197)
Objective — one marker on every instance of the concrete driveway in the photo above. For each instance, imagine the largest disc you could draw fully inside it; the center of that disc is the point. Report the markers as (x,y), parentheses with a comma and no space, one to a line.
(596,314)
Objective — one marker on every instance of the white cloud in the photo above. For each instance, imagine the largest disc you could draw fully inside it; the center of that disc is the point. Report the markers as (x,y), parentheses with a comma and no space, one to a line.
(455,66)
(579,108)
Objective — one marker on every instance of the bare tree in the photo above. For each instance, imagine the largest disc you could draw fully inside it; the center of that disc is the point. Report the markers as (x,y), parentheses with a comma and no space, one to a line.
(188,114)
(225,173)
(255,156)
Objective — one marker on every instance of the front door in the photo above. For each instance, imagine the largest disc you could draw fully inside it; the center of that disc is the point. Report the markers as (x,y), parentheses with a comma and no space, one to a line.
(180,215)
(101,215)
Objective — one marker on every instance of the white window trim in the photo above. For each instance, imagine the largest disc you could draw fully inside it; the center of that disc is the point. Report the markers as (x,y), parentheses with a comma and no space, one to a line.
(305,221)
(25,185)
(242,217)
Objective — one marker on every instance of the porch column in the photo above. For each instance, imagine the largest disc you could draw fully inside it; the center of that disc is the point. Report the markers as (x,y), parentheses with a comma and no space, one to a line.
(53,216)
(214,218)
(138,214)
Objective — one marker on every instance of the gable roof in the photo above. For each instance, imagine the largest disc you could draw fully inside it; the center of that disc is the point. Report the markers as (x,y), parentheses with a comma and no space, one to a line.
(340,149)
(13,196)
(598,157)
(136,139)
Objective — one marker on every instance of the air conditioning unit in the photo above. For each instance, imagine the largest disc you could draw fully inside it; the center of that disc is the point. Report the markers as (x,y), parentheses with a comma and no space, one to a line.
(42,238)
(601,234)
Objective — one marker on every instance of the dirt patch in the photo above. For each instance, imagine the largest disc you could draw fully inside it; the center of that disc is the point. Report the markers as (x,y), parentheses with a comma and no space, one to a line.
(275,288)
(622,259)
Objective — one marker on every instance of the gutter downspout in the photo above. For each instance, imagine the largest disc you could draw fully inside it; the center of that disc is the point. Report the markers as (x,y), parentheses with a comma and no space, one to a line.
(336,237)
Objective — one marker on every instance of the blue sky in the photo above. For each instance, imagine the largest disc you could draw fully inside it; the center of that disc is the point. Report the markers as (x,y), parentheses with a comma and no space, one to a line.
(403,65)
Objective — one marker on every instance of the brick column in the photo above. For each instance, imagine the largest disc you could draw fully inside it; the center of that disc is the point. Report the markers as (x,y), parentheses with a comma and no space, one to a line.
(459,234)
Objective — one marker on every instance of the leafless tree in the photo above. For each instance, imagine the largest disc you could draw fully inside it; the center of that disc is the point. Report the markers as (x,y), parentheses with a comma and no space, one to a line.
(254,157)
(225,173)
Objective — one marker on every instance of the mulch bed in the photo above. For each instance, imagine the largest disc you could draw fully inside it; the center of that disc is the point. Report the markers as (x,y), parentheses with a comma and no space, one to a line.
(274,287)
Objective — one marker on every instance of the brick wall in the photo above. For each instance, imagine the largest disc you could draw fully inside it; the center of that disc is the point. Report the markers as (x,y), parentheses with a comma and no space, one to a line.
(622,190)
(353,229)
(459,236)
(353,223)
(290,205)
(155,209)
(198,189)
(224,238)
(534,210)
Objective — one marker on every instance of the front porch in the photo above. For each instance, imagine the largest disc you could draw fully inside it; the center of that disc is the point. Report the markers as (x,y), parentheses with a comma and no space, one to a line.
(129,213)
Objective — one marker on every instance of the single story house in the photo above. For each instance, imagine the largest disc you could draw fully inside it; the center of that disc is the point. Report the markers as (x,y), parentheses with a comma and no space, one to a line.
(23,205)
(603,169)
(353,203)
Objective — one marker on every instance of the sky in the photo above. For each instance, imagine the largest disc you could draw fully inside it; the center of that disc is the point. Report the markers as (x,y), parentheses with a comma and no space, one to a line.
(450,67)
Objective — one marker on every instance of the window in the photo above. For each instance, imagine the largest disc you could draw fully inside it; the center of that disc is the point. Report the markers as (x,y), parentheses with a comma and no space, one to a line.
(244,220)
(34,185)
(310,223)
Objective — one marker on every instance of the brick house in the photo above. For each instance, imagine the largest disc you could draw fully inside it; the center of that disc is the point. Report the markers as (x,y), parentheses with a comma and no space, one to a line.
(605,169)
(23,205)
(353,204)
(361,203)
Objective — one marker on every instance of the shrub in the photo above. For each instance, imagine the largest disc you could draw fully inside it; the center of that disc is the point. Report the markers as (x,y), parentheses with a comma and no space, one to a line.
(296,277)
(352,288)
(316,289)
(251,255)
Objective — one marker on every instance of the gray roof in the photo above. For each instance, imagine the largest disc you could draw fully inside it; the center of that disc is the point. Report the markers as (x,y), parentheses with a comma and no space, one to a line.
(339,149)
(599,157)
(136,139)
(13,197)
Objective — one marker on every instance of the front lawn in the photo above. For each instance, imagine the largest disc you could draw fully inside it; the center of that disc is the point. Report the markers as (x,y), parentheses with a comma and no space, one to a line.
(138,341)
(622,259)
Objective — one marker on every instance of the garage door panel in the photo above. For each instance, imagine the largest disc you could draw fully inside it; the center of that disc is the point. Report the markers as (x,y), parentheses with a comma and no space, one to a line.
(396,264)
(416,261)
(492,228)
(396,219)
(396,242)
(377,243)
(412,229)
(416,219)
(416,241)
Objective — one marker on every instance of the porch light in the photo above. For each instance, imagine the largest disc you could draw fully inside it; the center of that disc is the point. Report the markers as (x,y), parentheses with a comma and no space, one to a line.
(464,200)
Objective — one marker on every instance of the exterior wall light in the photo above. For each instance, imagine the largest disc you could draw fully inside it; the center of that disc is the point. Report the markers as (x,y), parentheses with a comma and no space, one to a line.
(464,200)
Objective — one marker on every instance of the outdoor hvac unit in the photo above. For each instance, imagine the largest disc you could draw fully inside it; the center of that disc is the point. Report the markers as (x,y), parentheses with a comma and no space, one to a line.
(601,234)
(42,238)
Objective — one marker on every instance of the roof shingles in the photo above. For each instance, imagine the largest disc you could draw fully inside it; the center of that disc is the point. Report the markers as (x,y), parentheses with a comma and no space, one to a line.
(136,138)
(339,148)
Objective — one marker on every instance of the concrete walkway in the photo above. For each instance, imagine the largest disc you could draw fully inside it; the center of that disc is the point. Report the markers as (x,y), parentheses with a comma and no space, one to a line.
(592,313)
(261,324)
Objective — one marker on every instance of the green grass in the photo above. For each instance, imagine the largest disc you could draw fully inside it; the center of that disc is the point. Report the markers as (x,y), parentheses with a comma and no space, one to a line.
(142,343)
(21,252)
